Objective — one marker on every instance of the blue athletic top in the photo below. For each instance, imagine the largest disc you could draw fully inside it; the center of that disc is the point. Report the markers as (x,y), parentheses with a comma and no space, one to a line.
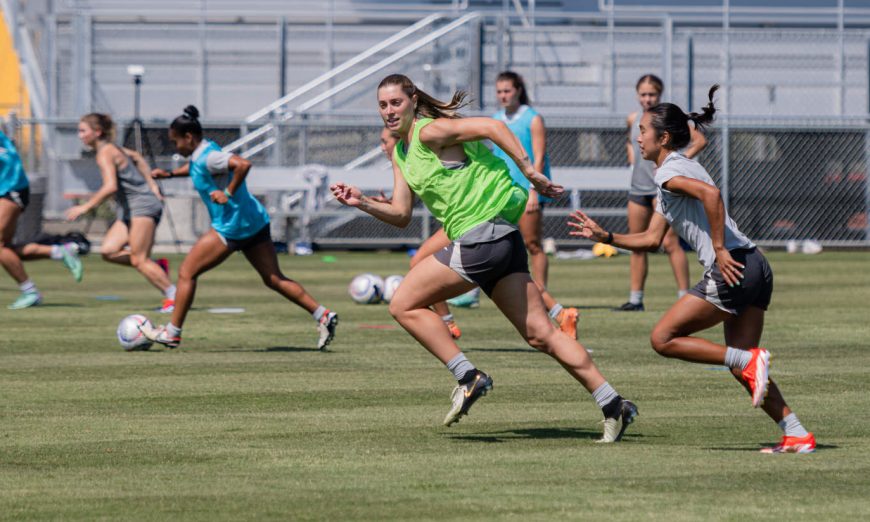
(242,216)
(12,177)
(520,123)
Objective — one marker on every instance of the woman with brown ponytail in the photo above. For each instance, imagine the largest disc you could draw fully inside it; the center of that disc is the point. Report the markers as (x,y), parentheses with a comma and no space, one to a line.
(737,283)
(441,159)
(127,176)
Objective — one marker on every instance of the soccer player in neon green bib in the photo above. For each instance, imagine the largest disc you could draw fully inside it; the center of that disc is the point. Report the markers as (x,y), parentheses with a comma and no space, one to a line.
(441,158)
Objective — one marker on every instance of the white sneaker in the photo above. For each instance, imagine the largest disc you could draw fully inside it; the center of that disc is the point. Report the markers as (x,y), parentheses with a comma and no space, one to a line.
(464,395)
(159,335)
(327,325)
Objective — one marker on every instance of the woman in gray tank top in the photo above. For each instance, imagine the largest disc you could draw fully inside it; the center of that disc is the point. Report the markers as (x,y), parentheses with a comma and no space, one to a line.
(737,283)
(127,176)
(641,198)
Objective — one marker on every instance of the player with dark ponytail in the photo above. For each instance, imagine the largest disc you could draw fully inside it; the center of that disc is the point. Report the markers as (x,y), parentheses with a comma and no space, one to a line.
(737,283)
(238,222)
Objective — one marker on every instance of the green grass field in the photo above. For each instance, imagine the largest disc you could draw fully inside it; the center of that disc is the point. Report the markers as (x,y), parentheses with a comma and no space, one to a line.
(247,422)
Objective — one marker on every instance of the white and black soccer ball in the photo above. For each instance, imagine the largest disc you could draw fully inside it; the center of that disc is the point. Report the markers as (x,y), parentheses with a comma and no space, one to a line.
(366,289)
(129,335)
(391,284)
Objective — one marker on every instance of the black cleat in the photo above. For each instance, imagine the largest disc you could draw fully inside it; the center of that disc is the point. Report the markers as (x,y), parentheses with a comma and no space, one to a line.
(464,395)
(614,428)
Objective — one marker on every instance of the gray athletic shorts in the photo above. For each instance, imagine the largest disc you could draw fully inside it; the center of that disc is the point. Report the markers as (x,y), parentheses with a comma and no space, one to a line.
(755,288)
(488,262)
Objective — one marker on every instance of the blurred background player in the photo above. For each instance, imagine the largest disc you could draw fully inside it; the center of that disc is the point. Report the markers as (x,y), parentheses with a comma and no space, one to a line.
(436,241)
(441,158)
(737,283)
(642,198)
(528,126)
(127,176)
(238,222)
(14,197)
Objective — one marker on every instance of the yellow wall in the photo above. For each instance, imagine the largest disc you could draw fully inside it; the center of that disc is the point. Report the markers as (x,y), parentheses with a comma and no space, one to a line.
(13,92)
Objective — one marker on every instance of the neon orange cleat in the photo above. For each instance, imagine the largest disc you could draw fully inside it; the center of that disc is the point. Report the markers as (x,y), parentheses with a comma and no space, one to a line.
(167,307)
(756,374)
(568,321)
(455,332)
(794,445)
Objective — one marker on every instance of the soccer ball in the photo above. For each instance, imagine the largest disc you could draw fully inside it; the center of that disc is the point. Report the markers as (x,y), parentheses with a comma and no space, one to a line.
(391,284)
(129,335)
(366,289)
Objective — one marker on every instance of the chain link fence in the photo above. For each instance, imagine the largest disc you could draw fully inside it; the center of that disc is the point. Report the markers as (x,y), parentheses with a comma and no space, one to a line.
(782,180)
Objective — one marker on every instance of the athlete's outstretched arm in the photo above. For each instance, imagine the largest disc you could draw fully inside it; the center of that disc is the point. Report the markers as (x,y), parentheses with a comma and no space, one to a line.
(445,132)
(649,239)
(183,170)
(106,163)
(396,211)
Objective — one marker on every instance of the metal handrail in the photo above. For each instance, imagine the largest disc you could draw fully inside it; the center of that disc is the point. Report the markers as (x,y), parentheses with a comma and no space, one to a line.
(387,61)
(281,102)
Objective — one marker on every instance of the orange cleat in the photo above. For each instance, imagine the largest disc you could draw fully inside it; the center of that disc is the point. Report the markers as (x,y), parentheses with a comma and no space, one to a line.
(794,445)
(167,307)
(567,320)
(455,332)
(756,374)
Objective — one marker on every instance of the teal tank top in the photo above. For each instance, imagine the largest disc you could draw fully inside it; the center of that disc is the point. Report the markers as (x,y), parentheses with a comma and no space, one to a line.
(521,125)
(12,177)
(242,216)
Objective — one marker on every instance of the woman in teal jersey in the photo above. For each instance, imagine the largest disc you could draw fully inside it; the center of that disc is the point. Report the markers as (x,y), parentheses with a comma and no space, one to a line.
(528,126)
(14,197)
(441,159)
(238,222)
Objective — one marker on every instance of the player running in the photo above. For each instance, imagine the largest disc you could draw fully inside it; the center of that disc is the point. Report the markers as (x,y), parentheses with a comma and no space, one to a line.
(528,126)
(14,198)
(441,158)
(238,222)
(127,176)
(737,283)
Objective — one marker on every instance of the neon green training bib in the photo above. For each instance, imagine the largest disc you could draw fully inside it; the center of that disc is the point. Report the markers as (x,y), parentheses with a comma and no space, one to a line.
(462,198)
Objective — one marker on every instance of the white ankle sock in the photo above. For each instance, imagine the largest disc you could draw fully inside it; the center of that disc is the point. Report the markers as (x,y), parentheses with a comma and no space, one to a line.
(792,427)
(27,287)
(173,330)
(56,252)
(170,292)
(635,297)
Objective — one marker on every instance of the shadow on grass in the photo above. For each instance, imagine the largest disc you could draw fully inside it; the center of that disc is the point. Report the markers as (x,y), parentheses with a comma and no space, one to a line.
(60,305)
(529,433)
(591,307)
(269,349)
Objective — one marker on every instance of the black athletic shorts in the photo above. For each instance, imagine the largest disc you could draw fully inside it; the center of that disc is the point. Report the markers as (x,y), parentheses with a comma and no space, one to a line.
(645,200)
(755,288)
(265,234)
(487,263)
(19,197)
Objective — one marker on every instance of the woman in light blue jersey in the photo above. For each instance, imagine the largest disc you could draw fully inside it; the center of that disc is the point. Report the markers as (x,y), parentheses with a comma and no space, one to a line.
(737,283)
(14,198)
(238,222)
(528,126)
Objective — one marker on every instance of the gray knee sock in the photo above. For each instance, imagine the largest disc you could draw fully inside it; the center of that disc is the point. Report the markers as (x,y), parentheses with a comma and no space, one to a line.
(459,365)
(604,395)
(792,427)
(737,358)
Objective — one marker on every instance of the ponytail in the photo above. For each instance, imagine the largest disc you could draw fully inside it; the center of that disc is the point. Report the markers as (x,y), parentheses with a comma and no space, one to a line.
(667,117)
(187,122)
(428,106)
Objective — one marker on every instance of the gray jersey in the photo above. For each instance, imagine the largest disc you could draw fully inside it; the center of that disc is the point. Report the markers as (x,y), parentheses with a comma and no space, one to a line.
(134,197)
(643,171)
(686,214)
